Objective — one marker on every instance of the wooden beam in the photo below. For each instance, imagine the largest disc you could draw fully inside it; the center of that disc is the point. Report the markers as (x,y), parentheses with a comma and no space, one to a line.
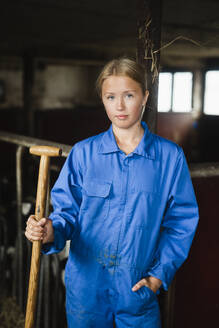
(148,45)
(148,42)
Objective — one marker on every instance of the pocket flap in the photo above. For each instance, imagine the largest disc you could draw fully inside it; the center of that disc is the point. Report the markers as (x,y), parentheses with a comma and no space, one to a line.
(97,188)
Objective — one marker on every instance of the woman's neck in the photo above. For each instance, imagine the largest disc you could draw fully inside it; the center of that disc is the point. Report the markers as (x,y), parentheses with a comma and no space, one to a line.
(128,139)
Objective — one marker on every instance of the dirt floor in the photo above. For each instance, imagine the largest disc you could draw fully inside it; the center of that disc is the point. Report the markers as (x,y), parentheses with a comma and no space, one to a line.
(10,314)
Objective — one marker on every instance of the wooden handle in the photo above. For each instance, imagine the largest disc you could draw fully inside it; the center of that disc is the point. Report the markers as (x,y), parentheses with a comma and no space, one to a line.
(45,150)
(45,153)
(42,187)
(33,284)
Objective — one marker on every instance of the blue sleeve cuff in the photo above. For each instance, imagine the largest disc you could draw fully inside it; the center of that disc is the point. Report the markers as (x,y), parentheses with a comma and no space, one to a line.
(59,240)
(158,271)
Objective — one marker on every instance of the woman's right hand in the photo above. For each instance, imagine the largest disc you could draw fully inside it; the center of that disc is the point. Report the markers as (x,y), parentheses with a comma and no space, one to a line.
(39,230)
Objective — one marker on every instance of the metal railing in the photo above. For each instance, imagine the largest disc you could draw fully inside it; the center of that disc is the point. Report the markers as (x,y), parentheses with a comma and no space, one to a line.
(22,249)
(52,263)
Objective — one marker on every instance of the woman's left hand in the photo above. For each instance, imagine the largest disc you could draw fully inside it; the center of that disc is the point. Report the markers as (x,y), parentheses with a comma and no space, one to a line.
(151,282)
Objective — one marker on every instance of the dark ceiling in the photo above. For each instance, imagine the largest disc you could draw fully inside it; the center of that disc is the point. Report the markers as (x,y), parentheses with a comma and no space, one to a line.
(101,29)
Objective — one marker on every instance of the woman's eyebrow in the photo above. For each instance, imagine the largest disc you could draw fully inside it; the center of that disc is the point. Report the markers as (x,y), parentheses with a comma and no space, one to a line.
(130,90)
(125,91)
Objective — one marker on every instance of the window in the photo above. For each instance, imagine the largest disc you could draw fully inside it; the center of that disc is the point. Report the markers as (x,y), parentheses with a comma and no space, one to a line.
(175,92)
(164,92)
(211,101)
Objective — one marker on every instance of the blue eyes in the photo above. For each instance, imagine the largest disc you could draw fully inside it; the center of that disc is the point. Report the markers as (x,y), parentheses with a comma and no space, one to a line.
(129,96)
(110,97)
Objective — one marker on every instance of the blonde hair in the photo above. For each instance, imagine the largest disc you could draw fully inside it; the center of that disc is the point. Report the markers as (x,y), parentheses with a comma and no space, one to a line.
(124,67)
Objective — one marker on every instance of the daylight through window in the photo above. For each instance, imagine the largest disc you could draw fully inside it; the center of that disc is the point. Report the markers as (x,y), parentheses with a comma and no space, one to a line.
(211,103)
(175,92)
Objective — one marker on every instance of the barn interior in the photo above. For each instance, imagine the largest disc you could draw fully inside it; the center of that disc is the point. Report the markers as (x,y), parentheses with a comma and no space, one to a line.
(50,55)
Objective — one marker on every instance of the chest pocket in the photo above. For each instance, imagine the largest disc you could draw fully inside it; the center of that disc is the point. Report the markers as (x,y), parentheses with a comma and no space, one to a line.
(96,198)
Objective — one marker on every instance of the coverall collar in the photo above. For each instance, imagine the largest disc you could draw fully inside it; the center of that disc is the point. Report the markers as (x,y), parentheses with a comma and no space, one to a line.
(145,147)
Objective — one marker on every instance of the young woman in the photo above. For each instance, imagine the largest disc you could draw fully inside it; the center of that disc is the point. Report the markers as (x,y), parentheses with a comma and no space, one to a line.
(125,200)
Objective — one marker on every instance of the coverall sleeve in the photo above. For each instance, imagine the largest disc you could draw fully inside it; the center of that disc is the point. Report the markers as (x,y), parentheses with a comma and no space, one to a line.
(178,225)
(66,199)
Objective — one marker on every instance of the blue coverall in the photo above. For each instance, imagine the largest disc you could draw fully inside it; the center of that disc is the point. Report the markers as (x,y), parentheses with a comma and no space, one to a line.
(128,217)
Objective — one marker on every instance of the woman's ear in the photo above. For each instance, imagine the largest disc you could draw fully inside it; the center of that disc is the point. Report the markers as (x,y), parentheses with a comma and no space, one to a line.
(145,97)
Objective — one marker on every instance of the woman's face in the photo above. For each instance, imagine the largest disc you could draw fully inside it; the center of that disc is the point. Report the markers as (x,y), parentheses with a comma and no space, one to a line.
(123,100)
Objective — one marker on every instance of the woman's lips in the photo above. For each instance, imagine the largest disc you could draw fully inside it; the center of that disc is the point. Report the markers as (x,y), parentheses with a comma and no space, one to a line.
(122,117)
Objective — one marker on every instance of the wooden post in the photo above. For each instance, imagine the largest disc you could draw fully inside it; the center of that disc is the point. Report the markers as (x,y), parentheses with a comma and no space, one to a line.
(148,41)
(148,54)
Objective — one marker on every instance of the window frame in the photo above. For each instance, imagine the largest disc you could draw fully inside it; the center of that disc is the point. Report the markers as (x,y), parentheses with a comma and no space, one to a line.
(210,68)
(172,71)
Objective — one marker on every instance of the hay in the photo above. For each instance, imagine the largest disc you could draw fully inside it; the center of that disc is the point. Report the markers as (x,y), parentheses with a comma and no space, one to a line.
(10,314)
(144,34)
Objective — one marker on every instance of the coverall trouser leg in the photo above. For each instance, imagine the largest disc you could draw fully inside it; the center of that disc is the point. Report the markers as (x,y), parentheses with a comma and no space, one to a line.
(96,299)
